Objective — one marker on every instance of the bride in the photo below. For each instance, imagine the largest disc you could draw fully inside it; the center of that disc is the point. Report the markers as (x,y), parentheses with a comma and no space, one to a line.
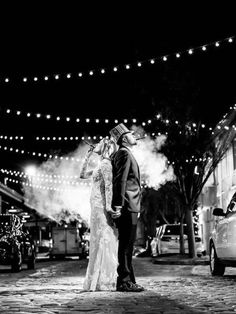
(102,267)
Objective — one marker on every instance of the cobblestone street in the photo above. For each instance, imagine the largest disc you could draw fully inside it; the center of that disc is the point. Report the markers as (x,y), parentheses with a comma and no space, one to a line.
(56,287)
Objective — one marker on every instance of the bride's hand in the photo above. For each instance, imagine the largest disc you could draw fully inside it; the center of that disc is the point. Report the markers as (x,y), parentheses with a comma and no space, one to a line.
(114,213)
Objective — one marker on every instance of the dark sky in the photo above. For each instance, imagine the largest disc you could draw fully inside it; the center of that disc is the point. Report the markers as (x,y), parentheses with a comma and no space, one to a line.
(47,43)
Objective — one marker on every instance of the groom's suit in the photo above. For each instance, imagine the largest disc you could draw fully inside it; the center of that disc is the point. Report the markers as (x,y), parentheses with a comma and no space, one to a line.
(126,193)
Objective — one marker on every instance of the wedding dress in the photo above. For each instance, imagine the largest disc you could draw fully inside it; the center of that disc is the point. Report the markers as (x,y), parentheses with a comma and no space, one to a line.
(101,272)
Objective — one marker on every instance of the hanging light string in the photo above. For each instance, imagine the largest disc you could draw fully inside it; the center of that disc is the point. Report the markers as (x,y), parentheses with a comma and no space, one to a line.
(158,117)
(219,126)
(52,188)
(49,181)
(123,67)
(43,155)
(54,138)
(41,175)
(11,138)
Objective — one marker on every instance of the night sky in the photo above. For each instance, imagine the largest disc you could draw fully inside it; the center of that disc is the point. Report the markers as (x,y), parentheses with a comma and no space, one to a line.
(46,44)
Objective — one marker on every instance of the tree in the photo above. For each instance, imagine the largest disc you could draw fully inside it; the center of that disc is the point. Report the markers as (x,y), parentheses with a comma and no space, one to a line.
(159,207)
(195,151)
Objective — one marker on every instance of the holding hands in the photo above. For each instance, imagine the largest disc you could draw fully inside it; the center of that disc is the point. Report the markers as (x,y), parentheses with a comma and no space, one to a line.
(115,213)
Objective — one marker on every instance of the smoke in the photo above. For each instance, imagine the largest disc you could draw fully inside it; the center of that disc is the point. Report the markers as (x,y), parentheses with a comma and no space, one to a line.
(56,191)
(154,168)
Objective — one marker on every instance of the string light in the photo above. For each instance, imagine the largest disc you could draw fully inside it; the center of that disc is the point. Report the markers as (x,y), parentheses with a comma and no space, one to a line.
(77,120)
(44,187)
(45,155)
(125,66)
(11,138)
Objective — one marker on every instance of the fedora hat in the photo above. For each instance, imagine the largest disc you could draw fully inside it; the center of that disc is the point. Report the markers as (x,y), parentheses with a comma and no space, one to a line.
(118,131)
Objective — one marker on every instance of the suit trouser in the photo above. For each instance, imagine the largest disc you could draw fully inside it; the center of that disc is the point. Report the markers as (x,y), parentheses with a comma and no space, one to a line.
(127,226)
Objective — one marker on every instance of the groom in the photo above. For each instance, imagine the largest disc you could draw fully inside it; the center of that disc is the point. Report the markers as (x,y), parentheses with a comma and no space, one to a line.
(126,201)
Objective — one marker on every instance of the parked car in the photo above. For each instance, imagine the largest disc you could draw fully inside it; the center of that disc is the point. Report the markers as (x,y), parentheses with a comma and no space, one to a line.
(167,241)
(223,239)
(68,242)
(16,246)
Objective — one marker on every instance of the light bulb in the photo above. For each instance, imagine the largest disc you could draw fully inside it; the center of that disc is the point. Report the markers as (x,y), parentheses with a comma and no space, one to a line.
(190,51)
(68,75)
(25,79)
(127,66)
(102,71)
(139,64)
(165,58)
(217,44)
(204,48)
(46,78)
(177,55)
(91,73)
(80,74)
(115,69)
(35,79)
(56,76)
(152,61)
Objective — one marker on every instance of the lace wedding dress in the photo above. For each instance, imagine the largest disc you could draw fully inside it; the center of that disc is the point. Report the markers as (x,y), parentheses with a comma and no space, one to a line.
(102,267)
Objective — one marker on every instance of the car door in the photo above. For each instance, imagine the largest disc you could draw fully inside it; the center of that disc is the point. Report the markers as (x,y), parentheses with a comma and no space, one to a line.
(231,234)
(221,240)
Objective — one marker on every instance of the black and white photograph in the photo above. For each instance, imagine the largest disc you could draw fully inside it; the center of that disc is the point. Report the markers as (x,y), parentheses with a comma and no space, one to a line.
(117,160)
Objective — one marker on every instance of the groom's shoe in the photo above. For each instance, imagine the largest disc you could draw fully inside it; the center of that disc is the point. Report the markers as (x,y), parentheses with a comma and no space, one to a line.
(139,287)
(129,286)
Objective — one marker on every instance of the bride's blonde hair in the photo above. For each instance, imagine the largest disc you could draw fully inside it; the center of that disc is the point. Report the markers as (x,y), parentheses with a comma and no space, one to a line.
(109,148)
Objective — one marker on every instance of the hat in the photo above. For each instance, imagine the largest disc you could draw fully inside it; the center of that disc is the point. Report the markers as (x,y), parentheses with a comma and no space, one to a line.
(118,131)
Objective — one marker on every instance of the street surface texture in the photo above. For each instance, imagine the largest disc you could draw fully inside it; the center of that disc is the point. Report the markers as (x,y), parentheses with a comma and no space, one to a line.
(56,287)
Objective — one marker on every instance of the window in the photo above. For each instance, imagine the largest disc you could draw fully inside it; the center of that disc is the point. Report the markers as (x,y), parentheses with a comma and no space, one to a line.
(231,207)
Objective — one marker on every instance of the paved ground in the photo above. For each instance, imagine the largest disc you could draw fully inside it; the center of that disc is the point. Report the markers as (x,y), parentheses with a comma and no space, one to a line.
(55,287)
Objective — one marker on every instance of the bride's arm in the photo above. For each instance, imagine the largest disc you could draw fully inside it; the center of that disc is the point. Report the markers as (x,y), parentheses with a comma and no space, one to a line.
(106,170)
(84,173)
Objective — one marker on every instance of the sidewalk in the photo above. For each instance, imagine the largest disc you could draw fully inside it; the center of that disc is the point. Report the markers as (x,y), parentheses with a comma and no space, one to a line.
(177,259)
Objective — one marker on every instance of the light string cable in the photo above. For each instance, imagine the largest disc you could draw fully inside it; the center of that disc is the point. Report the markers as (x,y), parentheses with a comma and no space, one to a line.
(114,69)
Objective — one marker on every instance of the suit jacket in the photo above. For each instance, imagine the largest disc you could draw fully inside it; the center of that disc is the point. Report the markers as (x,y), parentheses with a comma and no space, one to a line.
(126,180)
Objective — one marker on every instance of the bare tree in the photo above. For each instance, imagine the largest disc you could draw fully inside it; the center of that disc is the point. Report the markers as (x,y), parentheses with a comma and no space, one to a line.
(195,152)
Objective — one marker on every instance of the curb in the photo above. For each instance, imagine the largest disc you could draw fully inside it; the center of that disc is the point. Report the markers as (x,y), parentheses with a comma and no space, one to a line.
(190,261)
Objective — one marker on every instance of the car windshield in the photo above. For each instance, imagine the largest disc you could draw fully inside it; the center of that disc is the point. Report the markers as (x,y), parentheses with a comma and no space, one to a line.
(174,229)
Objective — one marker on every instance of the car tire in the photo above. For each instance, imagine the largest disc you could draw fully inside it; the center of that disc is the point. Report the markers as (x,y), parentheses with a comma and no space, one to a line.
(17,262)
(216,268)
